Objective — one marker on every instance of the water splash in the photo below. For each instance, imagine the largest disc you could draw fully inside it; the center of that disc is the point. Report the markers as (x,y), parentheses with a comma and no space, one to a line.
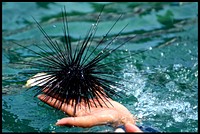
(169,102)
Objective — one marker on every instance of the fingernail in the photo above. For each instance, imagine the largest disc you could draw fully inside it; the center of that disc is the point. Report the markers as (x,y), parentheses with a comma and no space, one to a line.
(57,122)
(38,96)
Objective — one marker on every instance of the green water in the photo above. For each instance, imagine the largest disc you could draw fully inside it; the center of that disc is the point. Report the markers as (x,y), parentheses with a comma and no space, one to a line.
(164,89)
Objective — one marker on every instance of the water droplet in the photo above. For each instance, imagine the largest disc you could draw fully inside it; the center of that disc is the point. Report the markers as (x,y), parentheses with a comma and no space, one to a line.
(196,74)
(150,48)
(167,76)
(177,66)
(162,54)
(94,25)
(194,107)
(168,124)
(82,75)
(54,26)
(52,127)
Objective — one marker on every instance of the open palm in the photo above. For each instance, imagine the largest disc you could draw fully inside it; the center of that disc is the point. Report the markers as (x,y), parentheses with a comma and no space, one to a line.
(112,113)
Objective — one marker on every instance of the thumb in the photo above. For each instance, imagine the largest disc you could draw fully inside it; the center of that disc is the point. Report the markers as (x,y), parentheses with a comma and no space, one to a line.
(131,128)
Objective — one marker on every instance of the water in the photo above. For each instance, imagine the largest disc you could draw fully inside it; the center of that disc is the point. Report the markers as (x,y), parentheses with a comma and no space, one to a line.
(163,92)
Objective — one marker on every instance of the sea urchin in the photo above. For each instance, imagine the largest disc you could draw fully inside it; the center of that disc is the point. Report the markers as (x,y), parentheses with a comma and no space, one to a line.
(76,74)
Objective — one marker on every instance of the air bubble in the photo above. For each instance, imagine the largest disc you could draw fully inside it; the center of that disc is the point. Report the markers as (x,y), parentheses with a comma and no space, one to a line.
(162,54)
(150,48)
(54,26)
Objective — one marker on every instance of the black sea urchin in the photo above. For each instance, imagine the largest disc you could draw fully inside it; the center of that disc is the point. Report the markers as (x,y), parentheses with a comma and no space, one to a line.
(77,74)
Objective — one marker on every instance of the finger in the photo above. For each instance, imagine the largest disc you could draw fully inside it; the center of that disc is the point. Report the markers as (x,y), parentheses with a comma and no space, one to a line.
(131,128)
(93,102)
(56,103)
(82,121)
(51,93)
(90,120)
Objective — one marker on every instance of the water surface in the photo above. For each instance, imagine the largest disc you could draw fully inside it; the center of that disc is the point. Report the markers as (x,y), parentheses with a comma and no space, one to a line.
(164,88)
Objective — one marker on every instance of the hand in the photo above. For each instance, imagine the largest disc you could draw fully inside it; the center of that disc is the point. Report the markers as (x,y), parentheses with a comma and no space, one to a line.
(116,114)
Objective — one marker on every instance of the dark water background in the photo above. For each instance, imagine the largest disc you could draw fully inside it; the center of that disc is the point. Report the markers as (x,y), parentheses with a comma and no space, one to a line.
(164,89)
